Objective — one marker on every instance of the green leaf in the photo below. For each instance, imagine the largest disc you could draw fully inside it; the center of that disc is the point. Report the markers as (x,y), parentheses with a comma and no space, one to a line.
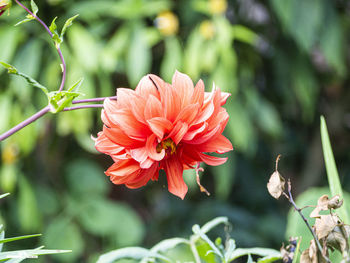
(76,85)
(64,234)
(197,230)
(230,248)
(263,252)
(172,58)
(85,177)
(192,54)
(244,34)
(98,215)
(213,223)
(35,8)
(269,259)
(167,244)
(12,70)
(332,172)
(27,19)
(53,25)
(20,255)
(6,240)
(2,236)
(58,100)
(130,252)
(4,195)
(138,61)
(67,24)
(85,48)
(55,37)
(29,215)
(225,177)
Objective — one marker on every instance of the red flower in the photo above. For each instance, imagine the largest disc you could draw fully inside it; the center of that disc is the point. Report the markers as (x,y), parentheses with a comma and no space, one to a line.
(162,126)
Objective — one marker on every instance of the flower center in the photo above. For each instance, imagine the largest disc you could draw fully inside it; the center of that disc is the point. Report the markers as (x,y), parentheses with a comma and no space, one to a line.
(168,145)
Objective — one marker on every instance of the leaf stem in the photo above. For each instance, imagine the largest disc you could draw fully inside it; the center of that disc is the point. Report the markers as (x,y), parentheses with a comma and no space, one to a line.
(83,107)
(36,17)
(63,63)
(45,110)
(94,100)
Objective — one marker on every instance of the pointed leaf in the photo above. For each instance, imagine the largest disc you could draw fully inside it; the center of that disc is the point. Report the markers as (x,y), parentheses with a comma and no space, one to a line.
(4,195)
(213,223)
(332,172)
(67,24)
(27,19)
(76,85)
(11,239)
(55,37)
(264,252)
(12,70)
(35,8)
(136,253)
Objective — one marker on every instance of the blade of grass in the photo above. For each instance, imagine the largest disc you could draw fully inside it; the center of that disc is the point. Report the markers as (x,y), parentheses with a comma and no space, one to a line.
(332,172)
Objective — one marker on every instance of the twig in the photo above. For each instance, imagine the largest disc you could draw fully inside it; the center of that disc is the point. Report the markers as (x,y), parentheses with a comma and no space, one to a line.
(83,107)
(94,100)
(40,114)
(63,63)
(291,200)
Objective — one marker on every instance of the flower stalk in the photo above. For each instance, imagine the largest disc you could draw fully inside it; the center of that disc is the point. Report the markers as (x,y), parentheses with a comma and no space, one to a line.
(45,110)
(63,63)
(48,108)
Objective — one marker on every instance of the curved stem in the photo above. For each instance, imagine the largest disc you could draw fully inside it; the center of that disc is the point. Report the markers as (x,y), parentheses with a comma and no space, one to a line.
(64,68)
(37,18)
(83,107)
(94,100)
(47,109)
(25,123)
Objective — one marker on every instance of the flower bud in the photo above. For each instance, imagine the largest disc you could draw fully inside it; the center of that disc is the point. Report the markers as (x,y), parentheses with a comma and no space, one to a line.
(4,5)
(167,23)
(207,29)
(217,6)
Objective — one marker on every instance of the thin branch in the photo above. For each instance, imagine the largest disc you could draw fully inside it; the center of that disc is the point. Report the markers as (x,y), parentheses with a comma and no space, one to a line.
(63,63)
(291,200)
(93,100)
(25,123)
(47,109)
(83,107)
(37,18)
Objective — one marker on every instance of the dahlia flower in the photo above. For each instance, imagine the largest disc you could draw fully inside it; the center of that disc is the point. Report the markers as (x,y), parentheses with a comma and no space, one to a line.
(162,126)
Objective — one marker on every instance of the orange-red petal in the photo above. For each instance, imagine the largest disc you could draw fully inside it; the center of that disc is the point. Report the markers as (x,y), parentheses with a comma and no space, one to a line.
(174,171)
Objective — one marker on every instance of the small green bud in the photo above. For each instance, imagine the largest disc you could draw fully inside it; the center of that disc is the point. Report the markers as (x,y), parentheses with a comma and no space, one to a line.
(5,5)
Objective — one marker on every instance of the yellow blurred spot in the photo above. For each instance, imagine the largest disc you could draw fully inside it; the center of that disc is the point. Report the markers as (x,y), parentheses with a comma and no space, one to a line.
(207,29)
(167,23)
(9,154)
(217,6)
(5,4)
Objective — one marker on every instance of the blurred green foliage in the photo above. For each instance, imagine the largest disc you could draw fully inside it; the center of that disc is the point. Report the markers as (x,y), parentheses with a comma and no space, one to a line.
(284,62)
